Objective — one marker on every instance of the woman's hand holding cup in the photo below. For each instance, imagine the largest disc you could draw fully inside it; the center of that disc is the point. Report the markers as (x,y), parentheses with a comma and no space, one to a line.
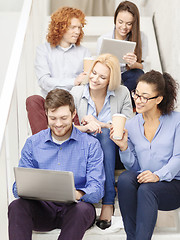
(121,143)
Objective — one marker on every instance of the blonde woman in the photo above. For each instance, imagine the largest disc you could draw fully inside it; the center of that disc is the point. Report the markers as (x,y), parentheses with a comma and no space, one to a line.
(96,102)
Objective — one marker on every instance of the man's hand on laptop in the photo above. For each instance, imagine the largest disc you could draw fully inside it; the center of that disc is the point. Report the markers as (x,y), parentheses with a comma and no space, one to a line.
(79,194)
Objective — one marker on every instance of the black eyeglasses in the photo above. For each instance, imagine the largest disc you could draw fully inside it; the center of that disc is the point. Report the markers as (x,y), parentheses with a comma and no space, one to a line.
(143,99)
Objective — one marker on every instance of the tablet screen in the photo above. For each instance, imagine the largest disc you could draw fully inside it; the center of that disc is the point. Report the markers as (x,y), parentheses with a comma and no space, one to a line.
(118,48)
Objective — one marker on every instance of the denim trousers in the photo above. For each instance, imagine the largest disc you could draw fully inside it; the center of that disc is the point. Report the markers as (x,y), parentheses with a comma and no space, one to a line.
(27,215)
(139,203)
(130,77)
(110,150)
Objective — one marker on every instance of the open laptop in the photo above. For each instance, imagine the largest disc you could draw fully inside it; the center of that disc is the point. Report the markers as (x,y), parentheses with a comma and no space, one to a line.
(118,48)
(47,185)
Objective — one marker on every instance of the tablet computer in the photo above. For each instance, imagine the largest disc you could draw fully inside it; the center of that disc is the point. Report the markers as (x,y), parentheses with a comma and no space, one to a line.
(118,48)
(46,185)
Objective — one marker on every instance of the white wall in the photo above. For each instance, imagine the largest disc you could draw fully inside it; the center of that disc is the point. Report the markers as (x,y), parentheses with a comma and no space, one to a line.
(9,17)
(8,20)
(11,5)
(166,19)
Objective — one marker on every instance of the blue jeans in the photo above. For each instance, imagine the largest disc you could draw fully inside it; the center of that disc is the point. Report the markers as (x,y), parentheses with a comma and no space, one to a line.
(110,150)
(130,77)
(139,203)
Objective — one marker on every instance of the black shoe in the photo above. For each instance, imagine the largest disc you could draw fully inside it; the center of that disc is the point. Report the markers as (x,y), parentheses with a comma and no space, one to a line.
(103,224)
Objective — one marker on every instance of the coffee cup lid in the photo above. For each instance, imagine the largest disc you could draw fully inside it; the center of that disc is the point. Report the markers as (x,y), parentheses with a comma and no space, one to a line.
(120,114)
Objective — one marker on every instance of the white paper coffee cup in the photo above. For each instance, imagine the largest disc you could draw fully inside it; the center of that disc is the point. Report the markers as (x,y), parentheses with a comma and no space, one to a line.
(118,121)
(88,63)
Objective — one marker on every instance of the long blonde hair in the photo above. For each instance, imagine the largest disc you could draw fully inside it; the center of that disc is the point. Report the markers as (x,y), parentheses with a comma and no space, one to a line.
(113,64)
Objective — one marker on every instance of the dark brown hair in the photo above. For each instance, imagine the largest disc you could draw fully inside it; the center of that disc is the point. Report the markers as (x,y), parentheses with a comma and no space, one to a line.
(60,21)
(58,98)
(165,86)
(135,34)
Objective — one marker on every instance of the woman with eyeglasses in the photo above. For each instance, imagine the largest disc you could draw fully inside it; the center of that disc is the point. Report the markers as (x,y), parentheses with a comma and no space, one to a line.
(150,151)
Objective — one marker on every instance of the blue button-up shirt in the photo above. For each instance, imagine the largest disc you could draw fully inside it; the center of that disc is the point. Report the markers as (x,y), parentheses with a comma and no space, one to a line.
(105,113)
(162,155)
(58,67)
(81,154)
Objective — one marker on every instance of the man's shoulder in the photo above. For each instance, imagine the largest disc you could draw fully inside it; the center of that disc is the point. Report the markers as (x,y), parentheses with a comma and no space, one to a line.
(82,49)
(45,45)
(39,137)
(86,138)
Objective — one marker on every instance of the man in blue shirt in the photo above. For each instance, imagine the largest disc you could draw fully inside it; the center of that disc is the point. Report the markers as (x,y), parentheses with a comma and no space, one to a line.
(59,61)
(60,147)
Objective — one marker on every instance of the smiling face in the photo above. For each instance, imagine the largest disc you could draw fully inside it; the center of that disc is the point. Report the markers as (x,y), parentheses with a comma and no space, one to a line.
(124,22)
(148,91)
(72,34)
(60,122)
(99,77)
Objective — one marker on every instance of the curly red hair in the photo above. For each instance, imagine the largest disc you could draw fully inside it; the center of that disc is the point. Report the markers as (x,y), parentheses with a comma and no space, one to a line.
(60,21)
